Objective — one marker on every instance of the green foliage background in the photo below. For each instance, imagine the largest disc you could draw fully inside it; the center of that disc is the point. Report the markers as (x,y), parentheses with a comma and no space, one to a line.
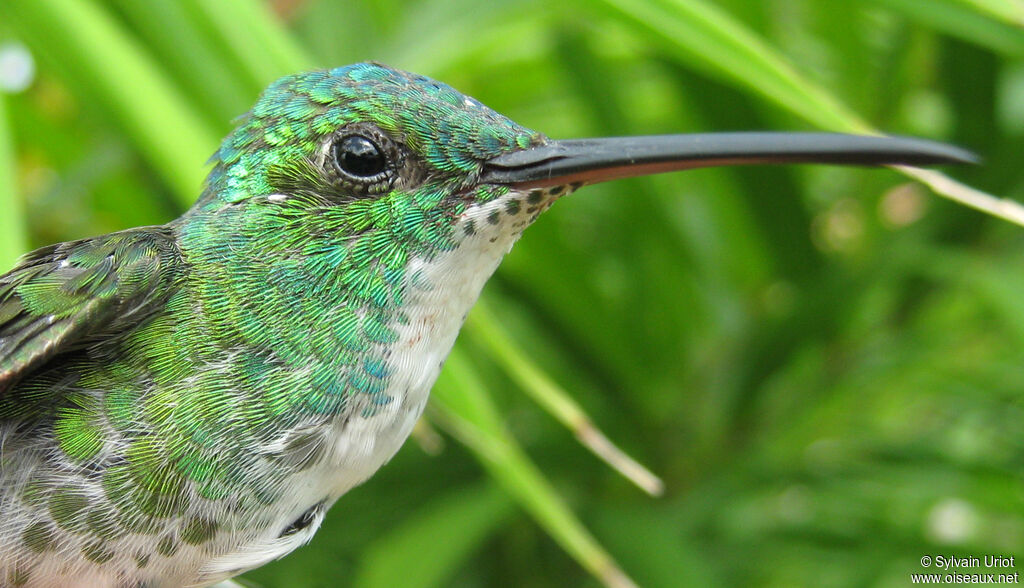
(824,365)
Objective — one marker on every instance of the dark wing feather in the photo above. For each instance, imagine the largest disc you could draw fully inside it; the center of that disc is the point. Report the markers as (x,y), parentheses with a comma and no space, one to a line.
(69,295)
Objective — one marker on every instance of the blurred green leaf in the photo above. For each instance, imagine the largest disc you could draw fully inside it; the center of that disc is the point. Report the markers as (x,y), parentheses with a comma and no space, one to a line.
(707,38)
(990,23)
(79,38)
(655,546)
(219,91)
(412,555)
(253,38)
(556,401)
(12,228)
(1011,11)
(466,409)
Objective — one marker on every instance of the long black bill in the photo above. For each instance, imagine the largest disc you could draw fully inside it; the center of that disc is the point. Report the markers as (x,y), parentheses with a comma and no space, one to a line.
(597,160)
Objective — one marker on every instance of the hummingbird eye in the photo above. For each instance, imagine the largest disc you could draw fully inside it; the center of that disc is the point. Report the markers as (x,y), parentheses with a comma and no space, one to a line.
(359,157)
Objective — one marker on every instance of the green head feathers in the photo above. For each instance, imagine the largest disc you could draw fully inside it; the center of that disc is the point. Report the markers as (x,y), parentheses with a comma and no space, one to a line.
(436,133)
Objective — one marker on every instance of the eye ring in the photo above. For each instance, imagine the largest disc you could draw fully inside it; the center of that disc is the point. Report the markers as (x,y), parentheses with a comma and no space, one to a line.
(359,157)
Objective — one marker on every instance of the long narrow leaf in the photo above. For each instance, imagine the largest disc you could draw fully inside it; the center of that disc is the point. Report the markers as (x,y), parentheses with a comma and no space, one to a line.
(555,400)
(256,40)
(198,65)
(411,556)
(12,220)
(466,410)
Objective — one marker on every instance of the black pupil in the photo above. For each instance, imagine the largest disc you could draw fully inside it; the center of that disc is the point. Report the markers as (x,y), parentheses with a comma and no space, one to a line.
(359,156)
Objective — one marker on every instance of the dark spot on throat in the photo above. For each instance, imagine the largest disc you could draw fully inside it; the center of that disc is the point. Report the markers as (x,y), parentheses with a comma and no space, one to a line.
(305,519)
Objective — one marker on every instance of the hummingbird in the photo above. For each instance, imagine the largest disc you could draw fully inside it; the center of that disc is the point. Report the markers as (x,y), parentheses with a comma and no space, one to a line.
(182,403)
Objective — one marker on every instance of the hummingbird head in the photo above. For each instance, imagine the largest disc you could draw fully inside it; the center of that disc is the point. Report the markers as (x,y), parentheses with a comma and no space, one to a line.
(360,132)
(371,150)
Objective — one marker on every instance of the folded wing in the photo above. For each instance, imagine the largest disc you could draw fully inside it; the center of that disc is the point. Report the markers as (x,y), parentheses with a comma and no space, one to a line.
(71,295)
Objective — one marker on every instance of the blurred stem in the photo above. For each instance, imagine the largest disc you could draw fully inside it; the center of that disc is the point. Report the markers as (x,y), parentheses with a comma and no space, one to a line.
(467,412)
(943,185)
(91,49)
(13,241)
(537,385)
